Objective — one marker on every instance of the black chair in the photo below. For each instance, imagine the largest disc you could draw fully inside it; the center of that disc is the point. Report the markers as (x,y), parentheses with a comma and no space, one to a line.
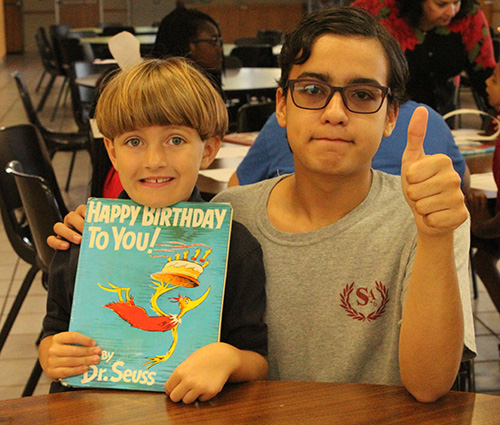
(50,65)
(257,56)
(111,30)
(272,37)
(55,141)
(23,143)
(253,116)
(83,98)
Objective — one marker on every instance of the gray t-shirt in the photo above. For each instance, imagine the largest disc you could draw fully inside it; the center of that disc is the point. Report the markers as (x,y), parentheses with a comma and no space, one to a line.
(335,295)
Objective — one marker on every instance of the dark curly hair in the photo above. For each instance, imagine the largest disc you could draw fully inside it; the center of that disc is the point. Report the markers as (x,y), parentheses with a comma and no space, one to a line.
(344,21)
(411,10)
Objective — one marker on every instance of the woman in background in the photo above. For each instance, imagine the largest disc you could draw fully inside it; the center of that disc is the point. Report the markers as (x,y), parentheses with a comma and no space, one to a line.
(192,34)
(440,38)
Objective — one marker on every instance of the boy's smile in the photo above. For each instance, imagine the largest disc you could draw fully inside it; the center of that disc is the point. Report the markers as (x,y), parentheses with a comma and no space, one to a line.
(158,166)
(334,140)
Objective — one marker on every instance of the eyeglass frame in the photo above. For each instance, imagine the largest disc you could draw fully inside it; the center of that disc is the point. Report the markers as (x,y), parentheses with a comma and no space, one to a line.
(215,41)
(386,92)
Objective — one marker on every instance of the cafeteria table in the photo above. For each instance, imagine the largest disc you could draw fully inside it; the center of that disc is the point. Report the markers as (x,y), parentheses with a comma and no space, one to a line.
(261,402)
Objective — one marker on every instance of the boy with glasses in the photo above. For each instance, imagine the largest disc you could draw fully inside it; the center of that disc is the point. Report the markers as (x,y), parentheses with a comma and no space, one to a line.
(367,277)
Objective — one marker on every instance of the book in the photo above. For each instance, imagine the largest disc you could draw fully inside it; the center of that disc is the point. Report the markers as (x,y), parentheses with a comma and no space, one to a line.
(149,288)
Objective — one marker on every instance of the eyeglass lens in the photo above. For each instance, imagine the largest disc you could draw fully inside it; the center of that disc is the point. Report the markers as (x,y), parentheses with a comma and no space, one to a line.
(361,98)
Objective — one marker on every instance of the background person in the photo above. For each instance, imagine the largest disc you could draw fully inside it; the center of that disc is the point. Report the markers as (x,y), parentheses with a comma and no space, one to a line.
(440,38)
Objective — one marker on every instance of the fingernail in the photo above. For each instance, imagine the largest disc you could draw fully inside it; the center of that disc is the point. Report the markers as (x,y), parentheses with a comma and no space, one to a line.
(77,238)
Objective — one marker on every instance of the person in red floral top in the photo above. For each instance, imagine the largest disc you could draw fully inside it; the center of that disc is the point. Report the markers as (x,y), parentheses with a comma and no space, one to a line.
(441,39)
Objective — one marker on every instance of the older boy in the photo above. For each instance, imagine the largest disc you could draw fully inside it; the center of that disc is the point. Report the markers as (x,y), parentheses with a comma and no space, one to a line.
(361,285)
(162,122)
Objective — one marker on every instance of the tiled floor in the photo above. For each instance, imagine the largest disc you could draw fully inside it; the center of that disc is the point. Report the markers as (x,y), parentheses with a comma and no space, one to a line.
(19,353)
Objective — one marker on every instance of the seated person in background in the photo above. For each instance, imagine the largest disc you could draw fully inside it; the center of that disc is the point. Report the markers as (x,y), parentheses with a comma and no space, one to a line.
(366,273)
(192,34)
(485,218)
(162,122)
(441,39)
(270,154)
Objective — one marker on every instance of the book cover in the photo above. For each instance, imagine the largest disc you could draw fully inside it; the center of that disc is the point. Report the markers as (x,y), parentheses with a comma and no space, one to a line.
(149,288)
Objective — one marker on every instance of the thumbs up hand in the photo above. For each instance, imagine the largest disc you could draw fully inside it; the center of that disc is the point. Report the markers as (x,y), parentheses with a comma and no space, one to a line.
(430,184)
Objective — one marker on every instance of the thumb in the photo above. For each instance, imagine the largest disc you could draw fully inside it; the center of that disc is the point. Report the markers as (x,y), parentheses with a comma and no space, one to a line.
(416,134)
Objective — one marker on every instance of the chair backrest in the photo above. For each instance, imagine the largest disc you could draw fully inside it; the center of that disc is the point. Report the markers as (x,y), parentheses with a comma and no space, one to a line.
(57,32)
(40,207)
(47,57)
(260,56)
(111,30)
(29,108)
(272,37)
(83,98)
(253,116)
(24,143)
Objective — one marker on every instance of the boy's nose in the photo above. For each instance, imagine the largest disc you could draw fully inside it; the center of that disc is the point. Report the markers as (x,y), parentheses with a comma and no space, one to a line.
(335,111)
(155,157)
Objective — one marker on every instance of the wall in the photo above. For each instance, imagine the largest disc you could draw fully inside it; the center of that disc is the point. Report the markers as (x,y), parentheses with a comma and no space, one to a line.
(3,48)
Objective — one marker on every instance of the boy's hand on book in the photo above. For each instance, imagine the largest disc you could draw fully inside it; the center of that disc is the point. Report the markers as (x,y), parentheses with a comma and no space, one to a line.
(430,184)
(70,230)
(66,359)
(203,374)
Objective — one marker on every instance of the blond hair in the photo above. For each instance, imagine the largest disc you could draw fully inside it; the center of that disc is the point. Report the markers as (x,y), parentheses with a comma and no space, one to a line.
(161,92)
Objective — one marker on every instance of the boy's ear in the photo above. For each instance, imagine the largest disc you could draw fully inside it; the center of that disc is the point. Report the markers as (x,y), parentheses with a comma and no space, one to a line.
(281,107)
(210,150)
(392,117)
(110,147)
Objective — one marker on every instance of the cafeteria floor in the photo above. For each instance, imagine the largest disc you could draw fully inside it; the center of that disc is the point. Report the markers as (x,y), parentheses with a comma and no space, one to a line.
(19,353)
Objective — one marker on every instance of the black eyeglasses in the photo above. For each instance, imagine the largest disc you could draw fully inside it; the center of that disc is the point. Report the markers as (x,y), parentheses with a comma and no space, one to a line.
(358,98)
(214,41)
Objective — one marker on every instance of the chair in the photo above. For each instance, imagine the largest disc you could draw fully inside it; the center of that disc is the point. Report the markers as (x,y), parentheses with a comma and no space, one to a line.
(253,116)
(256,56)
(272,37)
(49,63)
(58,32)
(55,141)
(111,30)
(24,143)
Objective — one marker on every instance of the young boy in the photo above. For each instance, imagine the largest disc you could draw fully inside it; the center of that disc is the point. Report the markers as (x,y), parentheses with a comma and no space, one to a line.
(485,221)
(162,122)
(366,276)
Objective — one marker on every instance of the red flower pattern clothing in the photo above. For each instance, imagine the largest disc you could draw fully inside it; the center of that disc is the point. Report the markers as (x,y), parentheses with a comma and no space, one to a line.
(438,55)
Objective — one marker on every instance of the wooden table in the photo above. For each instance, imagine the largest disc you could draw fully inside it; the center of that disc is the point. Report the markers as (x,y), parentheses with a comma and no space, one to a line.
(257,403)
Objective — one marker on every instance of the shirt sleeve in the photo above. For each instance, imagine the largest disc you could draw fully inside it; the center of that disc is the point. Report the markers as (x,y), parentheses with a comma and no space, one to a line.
(61,282)
(243,323)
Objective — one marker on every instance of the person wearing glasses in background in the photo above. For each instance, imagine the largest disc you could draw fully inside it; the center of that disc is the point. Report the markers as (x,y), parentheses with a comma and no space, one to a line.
(366,273)
(195,35)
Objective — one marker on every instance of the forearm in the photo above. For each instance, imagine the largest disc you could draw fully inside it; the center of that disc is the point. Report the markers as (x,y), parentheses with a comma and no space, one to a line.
(432,330)
(250,366)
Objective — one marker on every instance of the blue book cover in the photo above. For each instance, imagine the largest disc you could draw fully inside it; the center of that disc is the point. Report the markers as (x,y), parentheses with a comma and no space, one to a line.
(149,288)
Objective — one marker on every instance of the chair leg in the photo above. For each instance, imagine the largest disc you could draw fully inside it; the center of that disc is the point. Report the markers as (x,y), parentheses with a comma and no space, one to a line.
(46,93)
(473,274)
(18,302)
(70,171)
(29,389)
(40,81)
(56,107)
